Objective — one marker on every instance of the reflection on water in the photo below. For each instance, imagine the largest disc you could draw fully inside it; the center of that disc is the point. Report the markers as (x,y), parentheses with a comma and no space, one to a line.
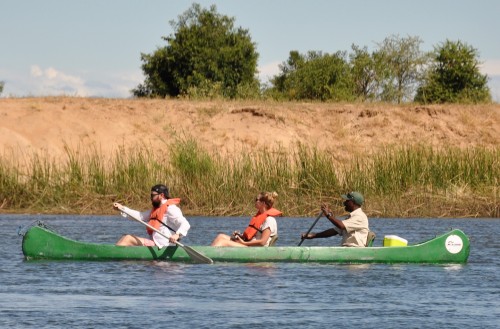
(454,267)
(134,294)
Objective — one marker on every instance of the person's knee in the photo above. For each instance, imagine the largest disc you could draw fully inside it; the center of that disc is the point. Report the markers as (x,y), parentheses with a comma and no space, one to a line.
(121,240)
(127,240)
(218,239)
(127,237)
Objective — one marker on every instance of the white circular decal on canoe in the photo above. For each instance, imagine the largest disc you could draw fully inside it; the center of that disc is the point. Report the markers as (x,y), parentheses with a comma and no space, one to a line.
(454,244)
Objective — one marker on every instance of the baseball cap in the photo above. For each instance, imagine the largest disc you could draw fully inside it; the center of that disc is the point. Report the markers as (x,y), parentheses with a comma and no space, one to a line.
(160,188)
(354,196)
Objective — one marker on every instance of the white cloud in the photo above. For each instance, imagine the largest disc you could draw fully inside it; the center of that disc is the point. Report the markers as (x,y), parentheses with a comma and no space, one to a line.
(51,73)
(53,82)
(268,70)
(490,67)
(494,84)
(39,81)
(36,71)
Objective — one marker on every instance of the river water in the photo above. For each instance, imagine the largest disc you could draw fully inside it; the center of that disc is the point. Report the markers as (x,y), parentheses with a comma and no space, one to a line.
(141,294)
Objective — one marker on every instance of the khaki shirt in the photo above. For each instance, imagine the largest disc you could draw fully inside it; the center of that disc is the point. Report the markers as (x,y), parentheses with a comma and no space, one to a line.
(356,229)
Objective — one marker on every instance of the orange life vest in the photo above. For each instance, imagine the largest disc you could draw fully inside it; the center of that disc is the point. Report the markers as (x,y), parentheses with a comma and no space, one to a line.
(257,221)
(156,215)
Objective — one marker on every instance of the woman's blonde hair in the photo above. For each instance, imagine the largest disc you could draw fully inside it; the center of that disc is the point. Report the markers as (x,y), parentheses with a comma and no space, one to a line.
(268,198)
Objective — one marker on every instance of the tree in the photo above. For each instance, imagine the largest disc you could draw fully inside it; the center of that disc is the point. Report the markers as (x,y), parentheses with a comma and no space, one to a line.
(454,76)
(293,63)
(364,73)
(315,76)
(402,61)
(1,87)
(206,53)
(391,73)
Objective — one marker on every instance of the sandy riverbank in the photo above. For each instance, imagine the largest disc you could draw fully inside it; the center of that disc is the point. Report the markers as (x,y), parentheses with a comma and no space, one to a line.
(49,124)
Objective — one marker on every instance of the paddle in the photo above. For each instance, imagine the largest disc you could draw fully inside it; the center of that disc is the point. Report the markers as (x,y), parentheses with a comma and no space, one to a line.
(310,229)
(196,256)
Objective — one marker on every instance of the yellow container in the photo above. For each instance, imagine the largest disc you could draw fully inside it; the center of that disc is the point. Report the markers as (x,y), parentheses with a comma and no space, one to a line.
(394,241)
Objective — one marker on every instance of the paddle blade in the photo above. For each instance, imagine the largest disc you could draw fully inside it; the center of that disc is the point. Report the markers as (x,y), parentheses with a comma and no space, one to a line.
(196,256)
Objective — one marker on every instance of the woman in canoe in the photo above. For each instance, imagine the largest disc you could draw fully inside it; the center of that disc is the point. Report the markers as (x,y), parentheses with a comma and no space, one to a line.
(261,229)
(165,216)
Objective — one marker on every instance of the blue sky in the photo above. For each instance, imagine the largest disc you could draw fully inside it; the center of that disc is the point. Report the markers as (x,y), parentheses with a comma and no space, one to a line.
(92,47)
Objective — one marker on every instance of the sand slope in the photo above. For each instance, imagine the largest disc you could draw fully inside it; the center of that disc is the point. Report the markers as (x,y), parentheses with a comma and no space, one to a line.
(48,124)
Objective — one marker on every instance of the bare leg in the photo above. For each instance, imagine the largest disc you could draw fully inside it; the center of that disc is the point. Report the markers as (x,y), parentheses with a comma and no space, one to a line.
(224,240)
(129,241)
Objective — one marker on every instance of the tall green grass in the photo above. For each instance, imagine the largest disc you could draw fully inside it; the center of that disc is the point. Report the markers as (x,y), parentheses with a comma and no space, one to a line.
(408,181)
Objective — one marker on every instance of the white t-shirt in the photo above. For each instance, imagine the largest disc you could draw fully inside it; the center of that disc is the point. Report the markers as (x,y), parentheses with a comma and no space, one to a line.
(356,229)
(270,223)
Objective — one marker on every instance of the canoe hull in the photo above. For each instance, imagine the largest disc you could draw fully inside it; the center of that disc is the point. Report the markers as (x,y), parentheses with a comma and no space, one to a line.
(451,247)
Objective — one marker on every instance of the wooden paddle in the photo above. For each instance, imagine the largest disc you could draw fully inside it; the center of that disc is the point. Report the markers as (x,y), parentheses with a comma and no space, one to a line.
(196,256)
(310,229)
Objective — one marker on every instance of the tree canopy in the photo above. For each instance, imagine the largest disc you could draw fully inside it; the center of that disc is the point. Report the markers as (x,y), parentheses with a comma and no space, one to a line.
(454,76)
(391,73)
(205,56)
(314,76)
(401,63)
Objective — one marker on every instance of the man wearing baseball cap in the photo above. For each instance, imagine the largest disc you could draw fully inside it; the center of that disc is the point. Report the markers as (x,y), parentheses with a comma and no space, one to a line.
(354,229)
(165,216)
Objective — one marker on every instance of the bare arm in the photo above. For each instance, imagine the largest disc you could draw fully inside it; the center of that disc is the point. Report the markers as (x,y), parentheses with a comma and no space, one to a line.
(331,217)
(143,216)
(325,234)
(256,242)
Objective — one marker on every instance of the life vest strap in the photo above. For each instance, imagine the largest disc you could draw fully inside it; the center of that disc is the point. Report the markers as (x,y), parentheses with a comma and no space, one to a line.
(162,223)
(255,227)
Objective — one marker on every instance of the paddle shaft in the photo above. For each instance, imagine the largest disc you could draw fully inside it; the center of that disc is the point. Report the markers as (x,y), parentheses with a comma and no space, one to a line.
(190,251)
(162,223)
(310,229)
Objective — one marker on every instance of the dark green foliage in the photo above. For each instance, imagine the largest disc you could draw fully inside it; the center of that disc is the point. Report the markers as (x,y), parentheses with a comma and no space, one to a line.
(192,162)
(205,57)
(364,72)
(389,74)
(315,76)
(1,87)
(454,76)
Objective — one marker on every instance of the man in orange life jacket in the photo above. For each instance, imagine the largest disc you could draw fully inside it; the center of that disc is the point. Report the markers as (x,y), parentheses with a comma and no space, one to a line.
(165,216)
(354,229)
(261,229)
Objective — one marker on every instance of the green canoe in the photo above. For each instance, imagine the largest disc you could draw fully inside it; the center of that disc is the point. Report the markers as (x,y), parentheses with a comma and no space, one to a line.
(451,247)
